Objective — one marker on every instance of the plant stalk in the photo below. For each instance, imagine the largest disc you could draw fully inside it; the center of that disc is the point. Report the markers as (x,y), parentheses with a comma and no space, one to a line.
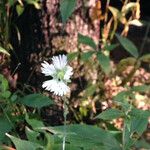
(65,121)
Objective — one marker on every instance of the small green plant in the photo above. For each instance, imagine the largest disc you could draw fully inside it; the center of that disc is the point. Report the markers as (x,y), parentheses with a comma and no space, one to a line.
(18,110)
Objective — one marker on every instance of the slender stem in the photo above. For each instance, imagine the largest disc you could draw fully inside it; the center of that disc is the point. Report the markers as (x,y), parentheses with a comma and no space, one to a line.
(65,121)
(123,137)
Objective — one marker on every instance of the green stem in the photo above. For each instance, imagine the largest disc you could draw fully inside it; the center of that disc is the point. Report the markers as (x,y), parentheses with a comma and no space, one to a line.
(123,136)
(65,121)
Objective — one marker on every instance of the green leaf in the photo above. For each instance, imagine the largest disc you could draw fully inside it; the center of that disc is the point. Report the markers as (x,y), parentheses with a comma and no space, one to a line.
(34,123)
(66,9)
(141,88)
(11,2)
(87,41)
(138,125)
(104,62)
(35,3)
(139,113)
(3,83)
(5,126)
(6,94)
(19,9)
(23,144)
(121,96)
(142,144)
(32,135)
(128,141)
(128,45)
(111,47)
(125,63)
(85,56)
(87,137)
(36,101)
(145,58)
(110,114)
(72,56)
(122,99)
(4,51)
(89,91)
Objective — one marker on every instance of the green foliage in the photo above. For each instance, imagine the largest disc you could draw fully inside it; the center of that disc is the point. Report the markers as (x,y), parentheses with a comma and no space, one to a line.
(5,127)
(23,144)
(86,137)
(72,56)
(36,101)
(104,62)
(128,45)
(21,113)
(66,9)
(86,55)
(87,41)
(110,114)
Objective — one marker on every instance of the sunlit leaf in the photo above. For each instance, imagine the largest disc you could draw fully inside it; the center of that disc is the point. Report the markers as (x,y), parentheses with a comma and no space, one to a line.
(136,22)
(145,58)
(4,51)
(114,11)
(125,63)
(19,9)
(35,3)
(128,7)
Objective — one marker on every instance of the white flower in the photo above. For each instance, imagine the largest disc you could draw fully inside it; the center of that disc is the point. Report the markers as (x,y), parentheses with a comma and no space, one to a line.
(60,73)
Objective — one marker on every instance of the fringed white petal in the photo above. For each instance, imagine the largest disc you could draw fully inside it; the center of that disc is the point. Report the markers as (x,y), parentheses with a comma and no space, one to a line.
(68,73)
(60,61)
(58,87)
(48,69)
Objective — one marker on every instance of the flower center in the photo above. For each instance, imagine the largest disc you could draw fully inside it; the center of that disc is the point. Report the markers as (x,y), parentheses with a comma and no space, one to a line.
(60,74)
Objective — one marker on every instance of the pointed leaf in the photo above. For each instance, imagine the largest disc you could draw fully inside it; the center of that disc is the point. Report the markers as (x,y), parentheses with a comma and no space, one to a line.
(128,45)
(36,100)
(110,114)
(4,51)
(87,137)
(86,40)
(23,144)
(66,8)
(104,62)
(5,126)
(86,55)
